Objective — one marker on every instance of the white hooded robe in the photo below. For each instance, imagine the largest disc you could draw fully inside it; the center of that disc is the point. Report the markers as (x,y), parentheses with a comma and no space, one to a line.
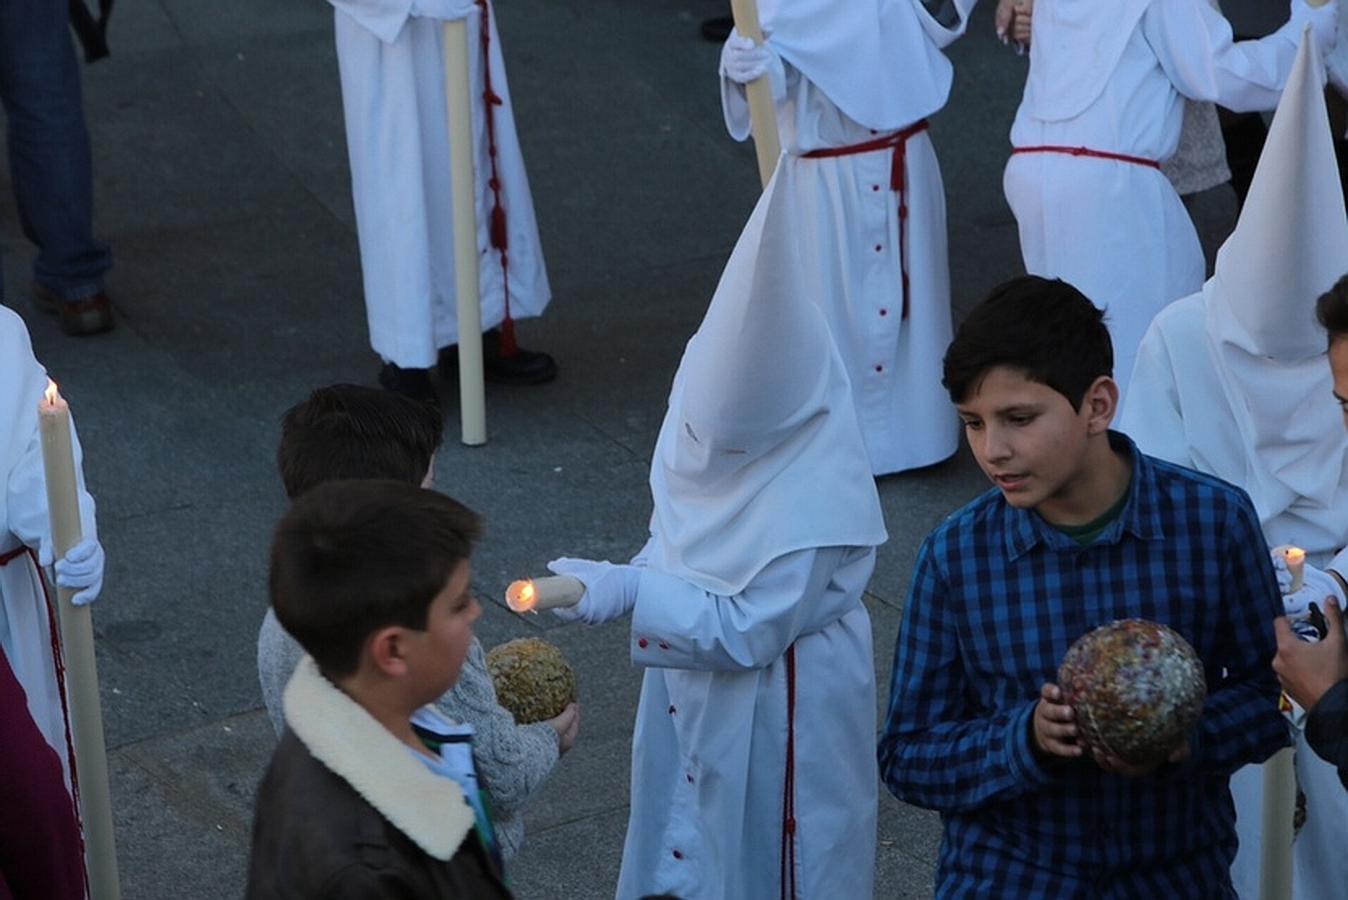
(1234,381)
(1112,77)
(853,72)
(25,632)
(393,95)
(763,536)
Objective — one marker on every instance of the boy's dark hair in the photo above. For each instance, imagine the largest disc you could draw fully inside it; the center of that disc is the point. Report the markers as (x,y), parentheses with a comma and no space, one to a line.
(1332,310)
(351,557)
(1043,328)
(350,431)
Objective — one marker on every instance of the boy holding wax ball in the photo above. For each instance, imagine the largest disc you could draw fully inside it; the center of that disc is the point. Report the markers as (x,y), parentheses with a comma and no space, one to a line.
(372,792)
(348,431)
(1080,530)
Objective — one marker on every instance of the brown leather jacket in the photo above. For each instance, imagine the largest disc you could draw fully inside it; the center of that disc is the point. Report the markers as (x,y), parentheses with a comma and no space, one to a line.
(379,829)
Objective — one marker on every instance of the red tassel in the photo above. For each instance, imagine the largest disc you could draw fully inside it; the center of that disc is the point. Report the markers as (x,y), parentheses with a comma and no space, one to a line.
(498,228)
(508,346)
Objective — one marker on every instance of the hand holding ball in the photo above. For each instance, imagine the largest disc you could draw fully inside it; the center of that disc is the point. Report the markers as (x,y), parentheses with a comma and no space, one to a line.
(532,679)
(1137,688)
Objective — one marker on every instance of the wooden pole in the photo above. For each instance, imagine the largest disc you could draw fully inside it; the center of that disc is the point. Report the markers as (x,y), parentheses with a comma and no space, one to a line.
(77,650)
(463,184)
(1275,839)
(762,113)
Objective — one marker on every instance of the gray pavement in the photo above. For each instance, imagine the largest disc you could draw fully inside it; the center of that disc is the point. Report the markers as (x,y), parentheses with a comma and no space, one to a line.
(222,185)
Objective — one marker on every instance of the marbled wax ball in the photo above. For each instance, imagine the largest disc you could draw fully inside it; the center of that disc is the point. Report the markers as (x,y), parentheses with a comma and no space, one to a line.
(532,679)
(1137,688)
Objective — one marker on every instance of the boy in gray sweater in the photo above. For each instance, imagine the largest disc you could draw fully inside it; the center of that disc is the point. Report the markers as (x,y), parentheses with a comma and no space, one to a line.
(348,431)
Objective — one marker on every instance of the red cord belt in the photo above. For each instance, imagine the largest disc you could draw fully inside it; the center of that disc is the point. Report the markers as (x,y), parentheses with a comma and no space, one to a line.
(898,143)
(788,858)
(1087,151)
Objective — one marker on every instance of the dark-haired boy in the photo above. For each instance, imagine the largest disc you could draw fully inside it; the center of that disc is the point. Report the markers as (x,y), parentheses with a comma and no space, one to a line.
(350,431)
(1081,529)
(371,793)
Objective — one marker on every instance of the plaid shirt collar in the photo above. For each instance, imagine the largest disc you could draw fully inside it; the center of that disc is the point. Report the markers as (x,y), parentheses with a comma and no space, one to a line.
(1141,516)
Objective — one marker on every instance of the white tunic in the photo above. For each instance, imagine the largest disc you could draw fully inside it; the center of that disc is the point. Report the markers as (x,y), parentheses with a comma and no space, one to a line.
(894,363)
(709,748)
(25,632)
(393,95)
(1116,230)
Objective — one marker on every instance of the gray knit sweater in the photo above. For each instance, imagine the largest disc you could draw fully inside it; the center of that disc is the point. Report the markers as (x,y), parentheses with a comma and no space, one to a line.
(512,759)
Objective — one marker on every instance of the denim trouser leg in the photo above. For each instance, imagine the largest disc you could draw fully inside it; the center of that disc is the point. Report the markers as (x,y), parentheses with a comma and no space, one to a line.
(49,155)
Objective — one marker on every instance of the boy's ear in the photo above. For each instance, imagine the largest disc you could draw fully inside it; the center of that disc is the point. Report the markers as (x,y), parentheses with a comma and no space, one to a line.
(386,649)
(1100,403)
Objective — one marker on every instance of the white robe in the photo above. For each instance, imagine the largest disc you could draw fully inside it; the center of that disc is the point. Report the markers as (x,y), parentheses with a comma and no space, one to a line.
(25,632)
(1179,410)
(894,364)
(393,95)
(1117,230)
(708,751)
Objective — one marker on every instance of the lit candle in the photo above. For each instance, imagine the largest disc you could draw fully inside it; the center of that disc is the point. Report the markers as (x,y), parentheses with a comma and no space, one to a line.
(533,594)
(1295,558)
(77,650)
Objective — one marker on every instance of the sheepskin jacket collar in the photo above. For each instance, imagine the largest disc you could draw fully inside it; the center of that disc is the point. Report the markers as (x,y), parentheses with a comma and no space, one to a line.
(340,734)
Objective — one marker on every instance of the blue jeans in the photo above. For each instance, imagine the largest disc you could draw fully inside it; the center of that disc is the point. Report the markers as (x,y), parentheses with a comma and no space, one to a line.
(49,156)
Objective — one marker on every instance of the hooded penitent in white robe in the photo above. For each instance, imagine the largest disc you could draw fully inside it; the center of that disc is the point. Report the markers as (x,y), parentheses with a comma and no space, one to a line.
(748,619)
(1234,381)
(1111,77)
(25,632)
(393,96)
(854,72)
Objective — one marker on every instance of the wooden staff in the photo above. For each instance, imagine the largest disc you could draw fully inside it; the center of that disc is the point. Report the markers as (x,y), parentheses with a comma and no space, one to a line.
(463,184)
(77,650)
(762,113)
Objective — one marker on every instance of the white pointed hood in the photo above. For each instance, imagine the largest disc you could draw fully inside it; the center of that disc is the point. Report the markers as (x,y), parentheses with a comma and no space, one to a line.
(1234,380)
(878,60)
(760,453)
(1291,243)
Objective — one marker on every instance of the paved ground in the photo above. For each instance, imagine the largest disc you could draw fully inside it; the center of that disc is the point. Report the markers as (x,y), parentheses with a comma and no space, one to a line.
(222,185)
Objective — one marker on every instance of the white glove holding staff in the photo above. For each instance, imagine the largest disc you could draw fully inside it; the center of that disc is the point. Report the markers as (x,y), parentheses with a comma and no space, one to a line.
(80,570)
(743,61)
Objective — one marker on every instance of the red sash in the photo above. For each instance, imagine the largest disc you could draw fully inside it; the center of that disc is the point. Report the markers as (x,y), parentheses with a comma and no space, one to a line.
(898,143)
(1087,151)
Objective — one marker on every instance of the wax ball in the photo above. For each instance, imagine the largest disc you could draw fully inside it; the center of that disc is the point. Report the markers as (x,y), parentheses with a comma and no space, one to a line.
(1137,688)
(532,679)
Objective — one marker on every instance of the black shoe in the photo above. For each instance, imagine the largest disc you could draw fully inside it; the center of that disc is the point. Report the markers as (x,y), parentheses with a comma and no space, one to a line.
(717,29)
(523,367)
(412,383)
(79,318)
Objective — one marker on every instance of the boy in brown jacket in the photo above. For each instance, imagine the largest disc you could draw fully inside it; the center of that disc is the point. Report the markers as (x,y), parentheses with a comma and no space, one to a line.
(371,793)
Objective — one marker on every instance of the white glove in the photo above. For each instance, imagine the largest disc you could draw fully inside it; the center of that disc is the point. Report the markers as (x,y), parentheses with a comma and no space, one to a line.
(81,569)
(1324,23)
(743,61)
(610,591)
(1316,585)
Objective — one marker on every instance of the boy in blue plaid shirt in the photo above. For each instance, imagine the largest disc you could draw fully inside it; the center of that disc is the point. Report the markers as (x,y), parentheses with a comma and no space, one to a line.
(1081,529)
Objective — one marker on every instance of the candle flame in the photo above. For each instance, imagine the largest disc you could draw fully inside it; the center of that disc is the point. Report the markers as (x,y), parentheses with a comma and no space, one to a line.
(1294,555)
(521,596)
(51,394)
